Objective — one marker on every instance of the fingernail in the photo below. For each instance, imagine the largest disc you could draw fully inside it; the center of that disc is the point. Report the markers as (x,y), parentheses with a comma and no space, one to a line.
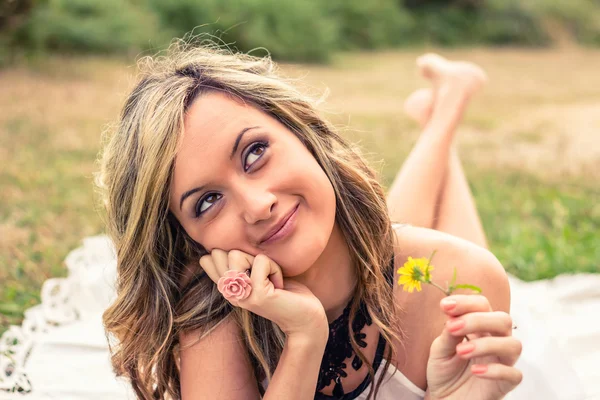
(448,304)
(479,369)
(465,348)
(455,325)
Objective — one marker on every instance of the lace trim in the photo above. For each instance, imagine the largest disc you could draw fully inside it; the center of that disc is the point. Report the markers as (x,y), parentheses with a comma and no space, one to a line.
(64,300)
(365,383)
(339,348)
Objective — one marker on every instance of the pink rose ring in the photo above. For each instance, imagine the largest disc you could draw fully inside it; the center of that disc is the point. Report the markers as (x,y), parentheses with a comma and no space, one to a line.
(235,285)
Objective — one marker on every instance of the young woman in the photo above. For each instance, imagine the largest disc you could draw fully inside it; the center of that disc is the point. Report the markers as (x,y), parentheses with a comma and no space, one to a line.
(219,166)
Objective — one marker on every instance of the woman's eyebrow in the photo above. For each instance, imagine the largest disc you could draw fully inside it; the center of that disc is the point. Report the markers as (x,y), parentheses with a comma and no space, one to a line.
(238,139)
(188,194)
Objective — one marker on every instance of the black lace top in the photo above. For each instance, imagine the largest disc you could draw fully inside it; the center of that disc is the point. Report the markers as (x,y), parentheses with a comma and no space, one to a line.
(338,349)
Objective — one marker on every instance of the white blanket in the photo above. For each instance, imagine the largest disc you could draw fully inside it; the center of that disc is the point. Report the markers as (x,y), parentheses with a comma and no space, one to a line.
(61,352)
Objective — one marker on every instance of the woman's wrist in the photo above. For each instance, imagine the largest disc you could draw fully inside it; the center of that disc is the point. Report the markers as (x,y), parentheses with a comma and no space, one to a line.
(316,339)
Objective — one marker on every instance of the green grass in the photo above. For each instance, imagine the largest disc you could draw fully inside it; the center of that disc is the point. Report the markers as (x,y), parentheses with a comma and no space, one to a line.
(536,229)
(47,207)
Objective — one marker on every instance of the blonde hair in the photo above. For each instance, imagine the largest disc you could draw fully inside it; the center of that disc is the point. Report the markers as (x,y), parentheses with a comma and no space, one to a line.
(153,249)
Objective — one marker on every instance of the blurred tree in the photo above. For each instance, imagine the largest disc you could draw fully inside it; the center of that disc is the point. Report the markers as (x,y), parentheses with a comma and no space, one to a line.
(93,26)
(13,15)
(463,4)
(371,24)
(12,12)
(289,29)
(305,30)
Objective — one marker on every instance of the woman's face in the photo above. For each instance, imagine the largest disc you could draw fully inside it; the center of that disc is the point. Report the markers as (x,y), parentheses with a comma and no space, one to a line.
(239,173)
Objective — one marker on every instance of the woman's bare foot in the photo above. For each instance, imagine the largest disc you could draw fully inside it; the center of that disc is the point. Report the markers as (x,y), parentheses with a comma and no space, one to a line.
(462,78)
(457,76)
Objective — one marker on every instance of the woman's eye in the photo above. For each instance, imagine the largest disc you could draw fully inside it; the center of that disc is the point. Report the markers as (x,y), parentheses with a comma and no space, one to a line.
(210,199)
(255,153)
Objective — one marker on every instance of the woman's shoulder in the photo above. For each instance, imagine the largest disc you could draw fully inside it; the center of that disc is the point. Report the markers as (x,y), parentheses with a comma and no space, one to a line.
(474,265)
(472,262)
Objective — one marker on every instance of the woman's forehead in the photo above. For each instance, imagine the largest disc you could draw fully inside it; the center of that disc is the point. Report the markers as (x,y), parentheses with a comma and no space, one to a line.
(213,116)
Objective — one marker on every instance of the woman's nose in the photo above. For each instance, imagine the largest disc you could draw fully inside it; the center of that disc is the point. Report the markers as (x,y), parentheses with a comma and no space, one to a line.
(257,204)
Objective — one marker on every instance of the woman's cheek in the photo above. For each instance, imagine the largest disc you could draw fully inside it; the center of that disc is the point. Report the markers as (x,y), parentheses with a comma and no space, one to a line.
(215,235)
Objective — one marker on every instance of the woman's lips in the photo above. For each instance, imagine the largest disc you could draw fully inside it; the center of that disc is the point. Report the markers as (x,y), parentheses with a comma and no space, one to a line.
(286,229)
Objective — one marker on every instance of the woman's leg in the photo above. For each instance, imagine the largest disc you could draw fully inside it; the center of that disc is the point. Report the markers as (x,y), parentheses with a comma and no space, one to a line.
(456,212)
(431,189)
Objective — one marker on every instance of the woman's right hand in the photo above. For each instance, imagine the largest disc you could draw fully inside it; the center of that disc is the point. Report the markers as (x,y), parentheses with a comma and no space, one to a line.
(288,303)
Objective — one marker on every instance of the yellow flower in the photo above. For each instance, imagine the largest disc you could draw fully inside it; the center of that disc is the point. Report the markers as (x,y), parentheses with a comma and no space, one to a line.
(413,272)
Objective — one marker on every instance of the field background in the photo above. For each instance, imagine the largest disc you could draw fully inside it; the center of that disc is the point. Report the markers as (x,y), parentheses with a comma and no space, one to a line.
(530,144)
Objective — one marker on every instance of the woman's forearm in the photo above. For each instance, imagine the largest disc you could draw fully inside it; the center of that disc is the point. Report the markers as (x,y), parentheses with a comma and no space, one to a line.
(298,369)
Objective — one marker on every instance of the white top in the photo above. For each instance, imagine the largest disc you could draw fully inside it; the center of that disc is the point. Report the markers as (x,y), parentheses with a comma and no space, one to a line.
(395,386)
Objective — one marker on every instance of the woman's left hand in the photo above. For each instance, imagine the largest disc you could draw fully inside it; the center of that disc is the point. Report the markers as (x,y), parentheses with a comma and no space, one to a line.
(451,369)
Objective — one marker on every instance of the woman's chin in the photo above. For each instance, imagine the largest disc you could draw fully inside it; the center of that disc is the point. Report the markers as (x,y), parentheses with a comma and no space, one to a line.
(294,262)
(291,265)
